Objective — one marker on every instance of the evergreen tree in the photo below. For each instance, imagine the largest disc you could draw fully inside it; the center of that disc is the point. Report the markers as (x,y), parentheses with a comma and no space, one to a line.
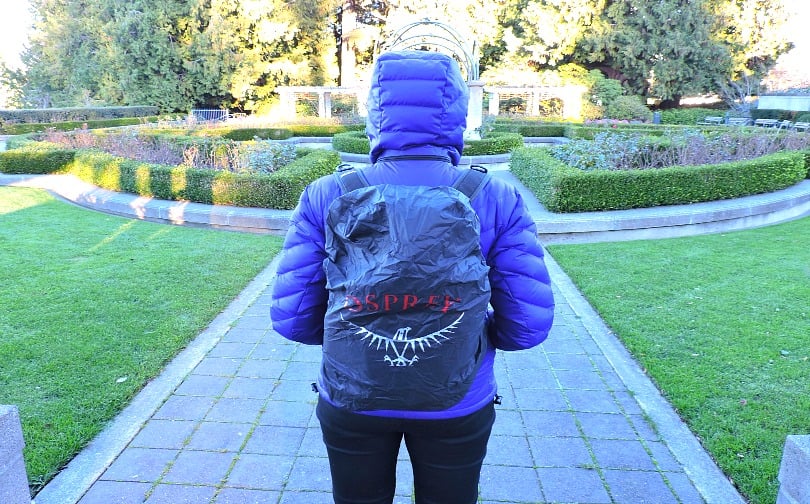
(663,49)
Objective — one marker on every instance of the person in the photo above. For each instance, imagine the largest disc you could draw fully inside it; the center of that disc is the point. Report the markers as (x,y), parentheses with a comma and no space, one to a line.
(417,107)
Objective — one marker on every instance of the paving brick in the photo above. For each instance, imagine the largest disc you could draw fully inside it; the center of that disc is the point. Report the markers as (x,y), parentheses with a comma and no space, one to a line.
(540,399)
(140,464)
(116,492)
(203,386)
(277,349)
(250,388)
(575,379)
(606,426)
(261,472)
(261,368)
(233,350)
(289,413)
(199,468)
(310,473)
(509,450)
(302,371)
(245,496)
(169,434)
(639,487)
(549,423)
(502,483)
(572,484)
(184,408)
(274,440)
(560,452)
(617,454)
(298,497)
(236,410)
(181,494)
(218,366)
(594,401)
(219,436)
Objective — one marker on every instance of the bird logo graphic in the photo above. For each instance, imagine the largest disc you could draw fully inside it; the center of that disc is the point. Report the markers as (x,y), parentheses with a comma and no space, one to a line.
(401,351)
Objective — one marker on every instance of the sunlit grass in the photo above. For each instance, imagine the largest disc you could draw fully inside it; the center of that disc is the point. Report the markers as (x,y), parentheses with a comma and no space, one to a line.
(94,305)
(722,325)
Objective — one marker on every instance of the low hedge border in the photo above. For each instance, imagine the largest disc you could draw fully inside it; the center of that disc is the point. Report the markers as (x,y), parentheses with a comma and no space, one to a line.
(356,142)
(563,189)
(24,128)
(75,114)
(279,190)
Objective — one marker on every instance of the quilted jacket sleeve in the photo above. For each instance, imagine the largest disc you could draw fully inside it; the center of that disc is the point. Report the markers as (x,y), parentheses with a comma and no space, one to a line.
(299,295)
(522,298)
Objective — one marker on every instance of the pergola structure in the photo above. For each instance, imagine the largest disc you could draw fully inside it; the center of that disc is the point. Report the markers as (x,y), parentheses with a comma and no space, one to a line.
(431,35)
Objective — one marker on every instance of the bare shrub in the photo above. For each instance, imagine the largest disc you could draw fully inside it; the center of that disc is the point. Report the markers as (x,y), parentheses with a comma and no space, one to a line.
(633,151)
(213,153)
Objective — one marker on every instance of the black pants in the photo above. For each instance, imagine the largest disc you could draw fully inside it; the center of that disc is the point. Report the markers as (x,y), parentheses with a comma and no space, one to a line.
(446,455)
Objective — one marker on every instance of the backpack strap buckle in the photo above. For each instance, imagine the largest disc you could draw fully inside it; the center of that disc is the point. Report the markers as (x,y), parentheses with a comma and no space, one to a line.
(350,178)
(472,181)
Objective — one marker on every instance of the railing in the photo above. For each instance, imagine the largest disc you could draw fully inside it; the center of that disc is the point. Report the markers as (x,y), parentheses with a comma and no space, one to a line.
(531,98)
(209,115)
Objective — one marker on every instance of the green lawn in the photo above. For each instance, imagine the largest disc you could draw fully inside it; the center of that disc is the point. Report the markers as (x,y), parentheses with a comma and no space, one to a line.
(94,305)
(722,325)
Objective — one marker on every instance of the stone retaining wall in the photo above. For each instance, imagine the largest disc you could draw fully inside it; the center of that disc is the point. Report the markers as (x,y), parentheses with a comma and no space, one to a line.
(13,479)
(794,473)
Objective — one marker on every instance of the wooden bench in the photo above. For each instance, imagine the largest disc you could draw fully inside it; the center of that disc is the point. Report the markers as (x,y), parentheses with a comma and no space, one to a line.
(739,121)
(711,121)
(767,123)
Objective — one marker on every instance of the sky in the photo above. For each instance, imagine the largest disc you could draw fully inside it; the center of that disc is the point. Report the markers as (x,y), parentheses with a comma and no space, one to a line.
(16,20)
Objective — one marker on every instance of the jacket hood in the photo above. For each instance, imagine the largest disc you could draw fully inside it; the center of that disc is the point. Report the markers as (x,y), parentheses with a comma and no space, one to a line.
(416,98)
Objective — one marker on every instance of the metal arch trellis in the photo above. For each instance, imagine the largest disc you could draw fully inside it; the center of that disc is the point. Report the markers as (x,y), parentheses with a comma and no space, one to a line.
(439,36)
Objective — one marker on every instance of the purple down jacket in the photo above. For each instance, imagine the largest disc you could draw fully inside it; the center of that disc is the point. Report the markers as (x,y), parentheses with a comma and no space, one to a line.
(417,107)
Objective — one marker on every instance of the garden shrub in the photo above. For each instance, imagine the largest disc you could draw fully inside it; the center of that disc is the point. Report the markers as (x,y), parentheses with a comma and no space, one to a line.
(35,158)
(781,115)
(494,143)
(526,128)
(353,142)
(74,114)
(23,128)
(562,188)
(630,108)
(688,116)
(246,134)
(356,142)
(279,190)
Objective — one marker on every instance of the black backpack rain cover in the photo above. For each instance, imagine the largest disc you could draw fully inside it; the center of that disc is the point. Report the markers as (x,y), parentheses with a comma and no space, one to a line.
(408,294)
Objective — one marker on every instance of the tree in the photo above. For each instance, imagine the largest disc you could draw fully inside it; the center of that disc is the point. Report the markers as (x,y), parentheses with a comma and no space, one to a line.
(662,49)
(752,30)
(176,54)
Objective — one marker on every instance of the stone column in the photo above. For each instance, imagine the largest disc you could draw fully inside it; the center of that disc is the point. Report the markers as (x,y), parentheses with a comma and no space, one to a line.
(494,103)
(475,110)
(13,479)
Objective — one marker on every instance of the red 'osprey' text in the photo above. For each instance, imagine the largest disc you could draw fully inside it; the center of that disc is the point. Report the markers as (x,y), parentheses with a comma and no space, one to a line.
(399,302)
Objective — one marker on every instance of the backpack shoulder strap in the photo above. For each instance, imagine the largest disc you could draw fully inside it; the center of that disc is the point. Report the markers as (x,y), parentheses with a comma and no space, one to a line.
(472,181)
(350,178)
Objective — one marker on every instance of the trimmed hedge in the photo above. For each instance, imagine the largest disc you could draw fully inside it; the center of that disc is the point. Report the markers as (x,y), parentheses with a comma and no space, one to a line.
(563,189)
(494,143)
(356,142)
(21,129)
(530,128)
(74,114)
(278,190)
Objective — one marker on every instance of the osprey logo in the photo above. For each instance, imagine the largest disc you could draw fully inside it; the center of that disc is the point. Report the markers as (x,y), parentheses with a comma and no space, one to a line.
(405,351)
